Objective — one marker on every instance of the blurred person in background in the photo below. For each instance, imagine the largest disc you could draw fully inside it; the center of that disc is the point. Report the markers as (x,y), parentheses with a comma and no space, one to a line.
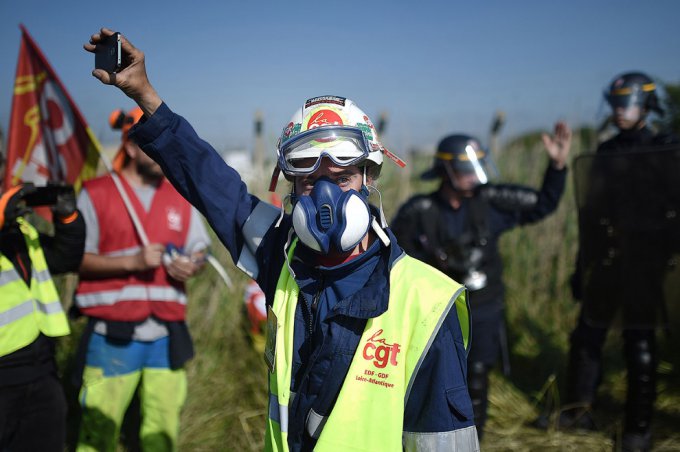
(365,346)
(619,191)
(32,402)
(457,227)
(134,297)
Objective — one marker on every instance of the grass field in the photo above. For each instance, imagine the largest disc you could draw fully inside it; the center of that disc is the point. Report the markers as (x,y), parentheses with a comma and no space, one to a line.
(227,398)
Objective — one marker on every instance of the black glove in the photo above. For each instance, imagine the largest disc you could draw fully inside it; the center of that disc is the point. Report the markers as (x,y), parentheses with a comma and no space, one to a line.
(12,204)
(66,203)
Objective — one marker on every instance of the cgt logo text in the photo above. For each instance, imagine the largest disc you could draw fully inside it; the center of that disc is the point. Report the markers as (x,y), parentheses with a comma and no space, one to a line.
(380,351)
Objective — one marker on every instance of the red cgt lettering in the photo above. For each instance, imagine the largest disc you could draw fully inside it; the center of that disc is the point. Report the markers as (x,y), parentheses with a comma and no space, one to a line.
(381,354)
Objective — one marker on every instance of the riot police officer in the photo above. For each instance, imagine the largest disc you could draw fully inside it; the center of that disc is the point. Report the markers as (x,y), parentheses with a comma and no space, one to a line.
(631,96)
(457,227)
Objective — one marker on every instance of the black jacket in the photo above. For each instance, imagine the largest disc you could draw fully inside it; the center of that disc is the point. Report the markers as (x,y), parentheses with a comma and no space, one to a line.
(456,241)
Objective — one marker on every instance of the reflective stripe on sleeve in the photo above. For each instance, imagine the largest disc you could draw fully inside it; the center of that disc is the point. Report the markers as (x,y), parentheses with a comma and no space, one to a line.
(255,227)
(463,440)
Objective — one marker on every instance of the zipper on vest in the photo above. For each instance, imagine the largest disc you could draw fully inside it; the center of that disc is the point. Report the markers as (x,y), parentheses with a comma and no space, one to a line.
(308,316)
(309,313)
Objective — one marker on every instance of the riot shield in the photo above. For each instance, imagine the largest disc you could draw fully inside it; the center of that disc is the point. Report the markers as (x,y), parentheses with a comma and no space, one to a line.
(629,236)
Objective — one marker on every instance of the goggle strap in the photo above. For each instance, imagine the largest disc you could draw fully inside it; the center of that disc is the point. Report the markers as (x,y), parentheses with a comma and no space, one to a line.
(400,163)
(383,220)
(275,179)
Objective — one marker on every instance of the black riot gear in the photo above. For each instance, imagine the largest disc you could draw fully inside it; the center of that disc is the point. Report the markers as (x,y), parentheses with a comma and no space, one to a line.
(627,202)
(461,239)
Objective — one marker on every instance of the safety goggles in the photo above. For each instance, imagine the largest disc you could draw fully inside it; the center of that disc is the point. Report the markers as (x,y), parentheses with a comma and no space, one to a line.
(343,145)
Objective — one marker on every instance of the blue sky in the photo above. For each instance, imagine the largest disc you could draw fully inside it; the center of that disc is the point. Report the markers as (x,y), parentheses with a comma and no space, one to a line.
(435,67)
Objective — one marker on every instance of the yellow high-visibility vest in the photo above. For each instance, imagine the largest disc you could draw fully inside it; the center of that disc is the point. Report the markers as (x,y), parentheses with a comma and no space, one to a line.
(25,311)
(369,411)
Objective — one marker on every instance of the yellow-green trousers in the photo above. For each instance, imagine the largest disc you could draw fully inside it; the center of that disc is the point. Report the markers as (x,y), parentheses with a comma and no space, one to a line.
(114,371)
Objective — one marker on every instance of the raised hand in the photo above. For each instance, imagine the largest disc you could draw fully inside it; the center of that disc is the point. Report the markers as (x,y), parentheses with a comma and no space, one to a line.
(558,145)
(132,78)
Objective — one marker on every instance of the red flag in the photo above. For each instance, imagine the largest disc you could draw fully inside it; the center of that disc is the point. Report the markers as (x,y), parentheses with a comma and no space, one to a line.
(49,140)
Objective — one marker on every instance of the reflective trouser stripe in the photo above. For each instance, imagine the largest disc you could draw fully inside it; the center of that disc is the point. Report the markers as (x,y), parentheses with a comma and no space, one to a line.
(278,413)
(26,308)
(131,293)
(463,440)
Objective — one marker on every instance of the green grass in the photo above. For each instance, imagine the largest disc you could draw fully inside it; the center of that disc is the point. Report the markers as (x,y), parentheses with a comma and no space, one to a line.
(226,404)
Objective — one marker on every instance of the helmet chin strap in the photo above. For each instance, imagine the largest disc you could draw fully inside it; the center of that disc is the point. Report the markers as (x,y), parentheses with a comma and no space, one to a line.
(286,198)
(377,228)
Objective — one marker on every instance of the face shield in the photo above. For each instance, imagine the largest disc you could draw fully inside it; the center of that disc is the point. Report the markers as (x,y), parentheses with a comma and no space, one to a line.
(468,169)
(343,145)
(628,100)
(627,106)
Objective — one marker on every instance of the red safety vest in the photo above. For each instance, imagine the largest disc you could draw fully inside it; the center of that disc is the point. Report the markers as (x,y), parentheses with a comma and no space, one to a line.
(136,296)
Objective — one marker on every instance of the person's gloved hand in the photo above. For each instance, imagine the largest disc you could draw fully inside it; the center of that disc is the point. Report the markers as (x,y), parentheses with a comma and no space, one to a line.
(66,204)
(12,205)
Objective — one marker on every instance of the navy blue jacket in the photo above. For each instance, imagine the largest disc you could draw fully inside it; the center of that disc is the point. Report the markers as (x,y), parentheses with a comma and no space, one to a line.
(351,293)
(450,225)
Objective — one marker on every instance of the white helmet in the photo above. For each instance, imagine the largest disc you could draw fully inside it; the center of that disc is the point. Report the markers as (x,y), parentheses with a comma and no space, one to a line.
(328,126)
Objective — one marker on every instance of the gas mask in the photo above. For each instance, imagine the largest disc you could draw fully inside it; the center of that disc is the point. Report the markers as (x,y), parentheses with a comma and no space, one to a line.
(329,219)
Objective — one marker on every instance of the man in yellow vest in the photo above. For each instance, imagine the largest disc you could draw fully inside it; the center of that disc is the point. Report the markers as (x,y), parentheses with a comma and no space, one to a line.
(32,403)
(366,347)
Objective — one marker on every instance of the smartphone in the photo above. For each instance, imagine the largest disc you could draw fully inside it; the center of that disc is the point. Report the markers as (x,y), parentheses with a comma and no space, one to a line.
(45,196)
(107,54)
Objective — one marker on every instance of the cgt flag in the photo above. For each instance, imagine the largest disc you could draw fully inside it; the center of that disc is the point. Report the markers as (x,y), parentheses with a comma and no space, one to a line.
(49,140)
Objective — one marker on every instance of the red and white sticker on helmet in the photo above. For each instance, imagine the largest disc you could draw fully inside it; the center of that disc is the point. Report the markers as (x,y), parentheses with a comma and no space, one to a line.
(324,117)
